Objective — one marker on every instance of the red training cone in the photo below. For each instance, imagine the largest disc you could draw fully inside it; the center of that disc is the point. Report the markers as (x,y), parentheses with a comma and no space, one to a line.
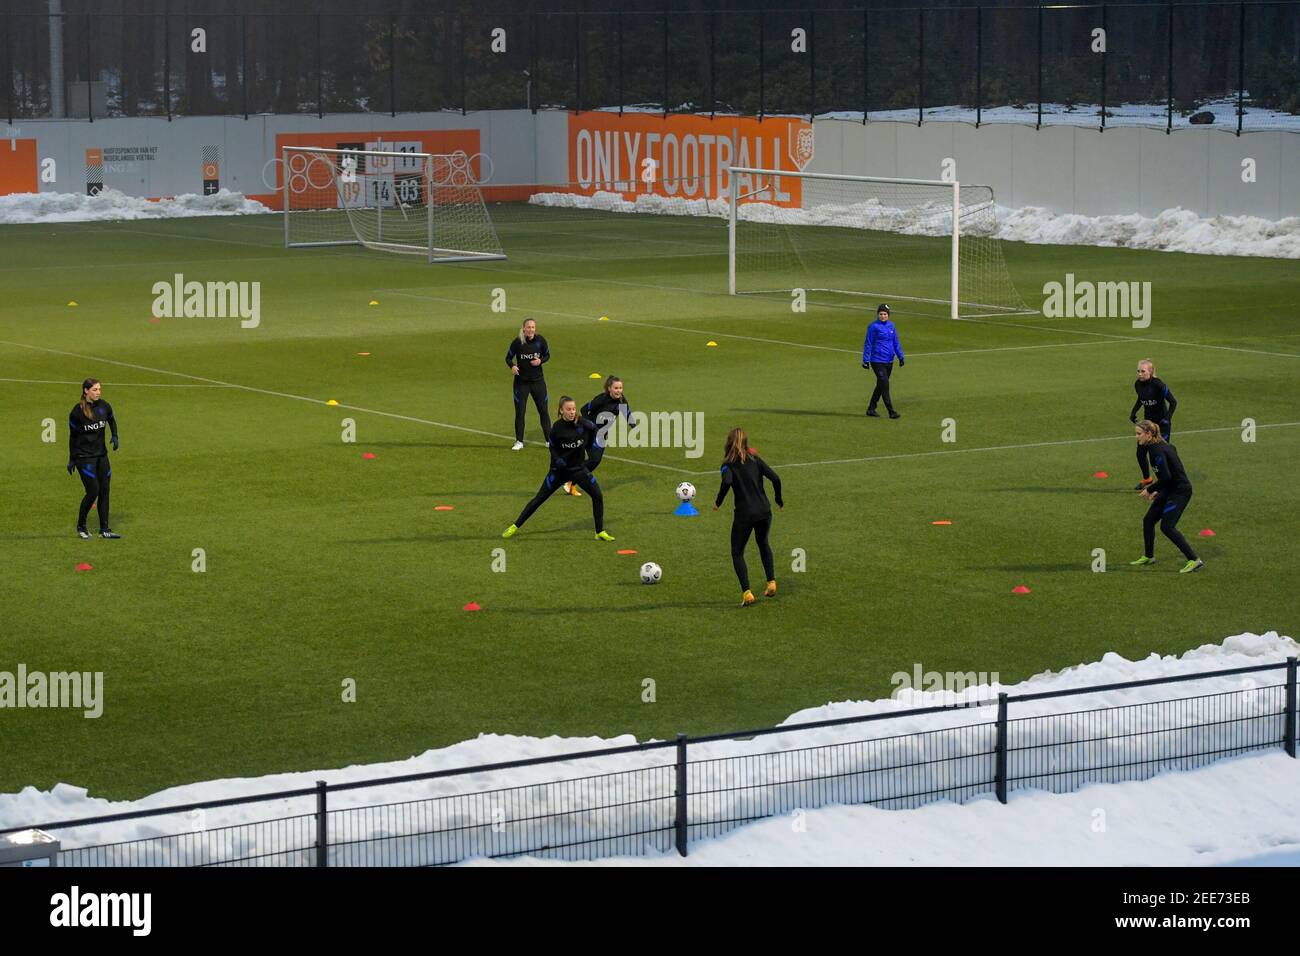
(941,522)
(368,455)
(471,606)
(627,551)
(85,567)
(443,508)
(1207,532)
(1100,474)
(1020,589)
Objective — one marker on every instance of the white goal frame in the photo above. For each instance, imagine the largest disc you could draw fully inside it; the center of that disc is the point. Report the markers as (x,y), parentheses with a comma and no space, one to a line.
(954,187)
(433,253)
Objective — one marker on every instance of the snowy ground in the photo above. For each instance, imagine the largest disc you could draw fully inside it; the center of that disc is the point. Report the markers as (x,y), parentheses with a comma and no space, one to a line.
(1174,230)
(110,204)
(1235,809)
(1242,811)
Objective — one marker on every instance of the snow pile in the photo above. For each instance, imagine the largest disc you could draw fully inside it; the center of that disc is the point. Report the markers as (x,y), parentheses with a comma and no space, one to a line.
(841,764)
(110,204)
(1174,230)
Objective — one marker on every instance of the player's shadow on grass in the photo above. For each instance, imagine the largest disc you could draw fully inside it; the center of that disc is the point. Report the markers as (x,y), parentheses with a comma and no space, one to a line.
(798,411)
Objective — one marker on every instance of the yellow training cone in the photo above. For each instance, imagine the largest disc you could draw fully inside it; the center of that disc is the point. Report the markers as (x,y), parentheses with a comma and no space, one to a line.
(712,345)
(374,301)
(594,375)
(72,303)
(604,318)
(331,402)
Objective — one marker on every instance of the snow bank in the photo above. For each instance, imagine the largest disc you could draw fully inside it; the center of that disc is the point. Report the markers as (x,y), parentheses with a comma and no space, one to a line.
(110,204)
(1174,230)
(835,765)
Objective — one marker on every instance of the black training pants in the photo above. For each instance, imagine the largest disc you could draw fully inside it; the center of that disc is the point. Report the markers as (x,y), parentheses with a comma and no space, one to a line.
(95,473)
(554,481)
(537,389)
(883,370)
(1165,510)
(741,529)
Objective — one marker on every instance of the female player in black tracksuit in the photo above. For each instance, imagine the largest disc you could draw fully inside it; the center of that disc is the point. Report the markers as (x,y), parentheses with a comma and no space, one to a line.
(1156,403)
(743,472)
(612,402)
(527,354)
(1169,495)
(87,422)
(571,435)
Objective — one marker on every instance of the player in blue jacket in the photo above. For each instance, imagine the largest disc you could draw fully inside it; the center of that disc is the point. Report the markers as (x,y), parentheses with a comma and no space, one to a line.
(878,353)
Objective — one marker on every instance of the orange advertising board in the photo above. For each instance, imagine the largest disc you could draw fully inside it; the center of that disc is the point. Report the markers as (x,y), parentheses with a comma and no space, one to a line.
(18,168)
(686,156)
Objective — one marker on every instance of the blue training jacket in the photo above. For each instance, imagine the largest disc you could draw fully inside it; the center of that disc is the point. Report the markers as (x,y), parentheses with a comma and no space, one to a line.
(882,343)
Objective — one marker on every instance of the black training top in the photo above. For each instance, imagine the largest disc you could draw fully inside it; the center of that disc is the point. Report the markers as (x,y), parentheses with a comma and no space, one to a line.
(1171,477)
(1154,399)
(523,353)
(746,479)
(604,402)
(569,441)
(85,435)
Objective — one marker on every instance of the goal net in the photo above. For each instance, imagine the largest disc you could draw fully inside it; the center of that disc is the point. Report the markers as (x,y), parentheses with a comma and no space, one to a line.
(928,242)
(426,204)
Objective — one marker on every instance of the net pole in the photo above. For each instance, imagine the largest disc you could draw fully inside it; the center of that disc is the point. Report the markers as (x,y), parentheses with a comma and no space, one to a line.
(284,174)
(733,189)
(428,201)
(956,208)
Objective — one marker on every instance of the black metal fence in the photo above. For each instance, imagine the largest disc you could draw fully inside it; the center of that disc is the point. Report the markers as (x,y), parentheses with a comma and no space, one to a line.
(1159,63)
(664,794)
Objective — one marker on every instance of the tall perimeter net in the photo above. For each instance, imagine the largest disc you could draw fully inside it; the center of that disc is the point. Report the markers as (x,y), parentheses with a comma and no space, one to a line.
(425,204)
(930,243)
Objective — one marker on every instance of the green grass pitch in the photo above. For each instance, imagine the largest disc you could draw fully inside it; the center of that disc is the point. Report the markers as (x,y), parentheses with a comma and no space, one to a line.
(323,565)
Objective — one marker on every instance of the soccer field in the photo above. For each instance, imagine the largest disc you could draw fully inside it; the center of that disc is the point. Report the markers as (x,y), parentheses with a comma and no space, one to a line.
(323,565)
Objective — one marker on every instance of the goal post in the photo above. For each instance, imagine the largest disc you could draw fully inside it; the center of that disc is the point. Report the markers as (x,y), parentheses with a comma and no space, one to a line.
(427,204)
(928,241)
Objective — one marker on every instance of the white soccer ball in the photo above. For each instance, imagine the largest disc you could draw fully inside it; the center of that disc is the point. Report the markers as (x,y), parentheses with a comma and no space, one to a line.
(651,573)
(686,491)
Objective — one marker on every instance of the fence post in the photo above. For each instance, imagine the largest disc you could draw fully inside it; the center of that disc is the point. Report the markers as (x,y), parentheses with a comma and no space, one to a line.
(577,61)
(1241,64)
(1169,115)
(320,96)
(680,822)
(713,65)
(461,23)
(979,65)
(167,58)
(1000,769)
(11,73)
(1288,734)
(665,64)
(90,100)
(812,65)
(322,825)
(1039,123)
(1106,46)
(920,65)
(534,62)
(762,69)
(620,62)
(392,65)
(866,66)
(243,63)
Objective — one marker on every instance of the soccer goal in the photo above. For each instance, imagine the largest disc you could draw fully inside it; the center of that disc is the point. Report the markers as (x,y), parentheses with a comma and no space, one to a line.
(925,241)
(426,204)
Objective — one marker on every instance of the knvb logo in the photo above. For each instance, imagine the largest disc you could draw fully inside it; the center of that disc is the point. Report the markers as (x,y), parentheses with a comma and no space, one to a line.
(653,430)
(208,300)
(1098,300)
(947,687)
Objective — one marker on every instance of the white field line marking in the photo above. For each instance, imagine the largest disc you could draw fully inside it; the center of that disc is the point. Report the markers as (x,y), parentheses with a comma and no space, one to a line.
(319,401)
(724,335)
(1140,339)
(1036,444)
(109,384)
